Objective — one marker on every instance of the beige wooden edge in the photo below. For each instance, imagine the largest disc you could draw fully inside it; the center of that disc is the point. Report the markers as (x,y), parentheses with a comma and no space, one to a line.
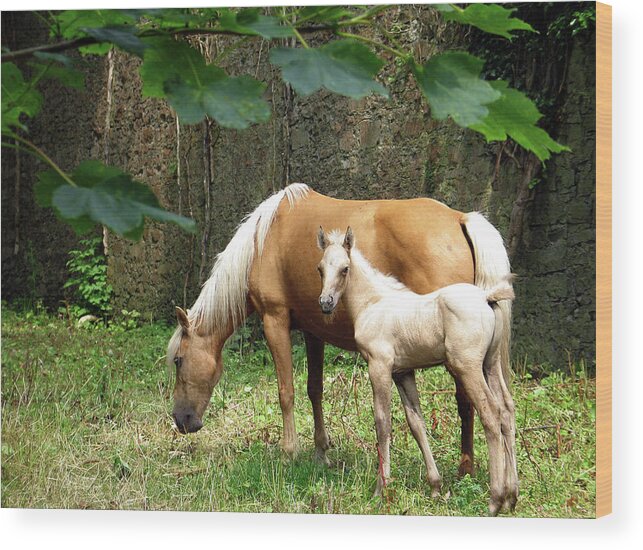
(603,259)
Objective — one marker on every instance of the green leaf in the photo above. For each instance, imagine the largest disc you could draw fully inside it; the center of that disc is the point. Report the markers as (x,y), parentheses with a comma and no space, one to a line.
(234,102)
(452,85)
(177,71)
(74,24)
(123,36)
(58,57)
(44,189)
(172,18)
(490,18)
(103,194)
(71,23)
(18,97)
(65,74)
(167,59)
(251,22)
(515,115)
(324,14)
(345,67)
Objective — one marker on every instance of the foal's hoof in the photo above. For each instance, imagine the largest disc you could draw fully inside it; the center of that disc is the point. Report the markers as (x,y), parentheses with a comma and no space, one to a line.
(494,508)
(436,487)
(509,505)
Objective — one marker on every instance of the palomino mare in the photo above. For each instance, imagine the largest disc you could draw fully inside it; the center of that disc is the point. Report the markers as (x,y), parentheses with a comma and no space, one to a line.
(398,331)
(266,268)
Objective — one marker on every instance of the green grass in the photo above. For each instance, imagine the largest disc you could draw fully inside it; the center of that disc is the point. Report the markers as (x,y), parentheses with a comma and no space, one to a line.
(86,424)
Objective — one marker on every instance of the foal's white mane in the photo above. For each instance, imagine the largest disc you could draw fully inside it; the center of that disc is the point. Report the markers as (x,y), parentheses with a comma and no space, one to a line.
(357,258)
(223,295)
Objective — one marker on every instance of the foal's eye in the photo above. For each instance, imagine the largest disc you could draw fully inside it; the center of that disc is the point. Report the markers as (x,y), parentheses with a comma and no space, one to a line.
(321,271)
(177,362)
(345,271)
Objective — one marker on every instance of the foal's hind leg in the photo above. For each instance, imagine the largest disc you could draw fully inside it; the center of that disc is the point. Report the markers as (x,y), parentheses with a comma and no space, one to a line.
(409,394)
(485,402)
(315,355)
(499,387)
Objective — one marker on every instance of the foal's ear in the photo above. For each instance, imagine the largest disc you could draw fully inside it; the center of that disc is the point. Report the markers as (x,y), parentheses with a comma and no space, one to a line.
(182,318)
(349,239)
(322,243)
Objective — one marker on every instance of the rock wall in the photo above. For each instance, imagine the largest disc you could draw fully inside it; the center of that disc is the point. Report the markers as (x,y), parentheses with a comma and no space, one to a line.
(372,148)
(34,242)
(556,303)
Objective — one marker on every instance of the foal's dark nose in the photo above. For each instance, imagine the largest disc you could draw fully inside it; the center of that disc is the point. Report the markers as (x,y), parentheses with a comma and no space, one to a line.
(187,422)
(327,304)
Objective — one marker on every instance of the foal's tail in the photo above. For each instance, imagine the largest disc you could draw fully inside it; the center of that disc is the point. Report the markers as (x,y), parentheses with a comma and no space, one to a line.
(502,291)
(493,273)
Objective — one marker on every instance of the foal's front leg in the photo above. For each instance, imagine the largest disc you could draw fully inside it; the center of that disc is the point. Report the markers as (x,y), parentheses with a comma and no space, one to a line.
(379,373)
(415,419)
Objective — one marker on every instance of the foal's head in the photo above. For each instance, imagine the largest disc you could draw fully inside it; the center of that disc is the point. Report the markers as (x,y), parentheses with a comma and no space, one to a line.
(334,267)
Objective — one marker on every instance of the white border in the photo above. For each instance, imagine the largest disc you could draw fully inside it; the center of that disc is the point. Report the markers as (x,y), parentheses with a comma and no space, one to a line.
(79,529)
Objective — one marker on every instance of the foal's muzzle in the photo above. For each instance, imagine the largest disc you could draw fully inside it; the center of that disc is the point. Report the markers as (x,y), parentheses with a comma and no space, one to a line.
(327,304)
(187,422)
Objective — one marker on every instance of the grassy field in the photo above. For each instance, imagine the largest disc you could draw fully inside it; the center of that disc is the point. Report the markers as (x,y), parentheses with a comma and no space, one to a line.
(86,424)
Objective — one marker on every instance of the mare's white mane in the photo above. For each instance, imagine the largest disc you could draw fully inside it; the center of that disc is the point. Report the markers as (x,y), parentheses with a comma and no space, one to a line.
(223,295)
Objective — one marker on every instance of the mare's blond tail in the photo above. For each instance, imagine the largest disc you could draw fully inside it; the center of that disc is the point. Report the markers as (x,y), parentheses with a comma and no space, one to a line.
(492,271)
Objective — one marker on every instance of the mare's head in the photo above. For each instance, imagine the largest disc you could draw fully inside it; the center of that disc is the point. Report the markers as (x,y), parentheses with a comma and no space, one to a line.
(334,267)
(198,369)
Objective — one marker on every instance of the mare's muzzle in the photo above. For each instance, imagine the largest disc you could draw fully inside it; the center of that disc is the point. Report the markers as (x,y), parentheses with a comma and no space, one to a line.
(327,304)
(186,421)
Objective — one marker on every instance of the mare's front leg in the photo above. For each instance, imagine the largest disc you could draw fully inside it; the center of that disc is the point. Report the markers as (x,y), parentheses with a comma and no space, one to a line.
(379,373)
(466,413)
(415,419)
(315,356)
(277,330)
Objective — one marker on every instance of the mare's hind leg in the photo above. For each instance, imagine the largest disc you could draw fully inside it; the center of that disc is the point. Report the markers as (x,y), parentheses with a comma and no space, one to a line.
(315,355)
(409,394)
(499,387)
(466,412)
(277,330)
(489,409)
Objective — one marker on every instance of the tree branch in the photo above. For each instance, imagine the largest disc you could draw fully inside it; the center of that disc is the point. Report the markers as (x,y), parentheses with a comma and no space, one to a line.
(89,40)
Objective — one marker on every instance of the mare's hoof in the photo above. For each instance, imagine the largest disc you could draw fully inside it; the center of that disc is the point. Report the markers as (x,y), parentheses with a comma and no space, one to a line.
(291,450)
(466,467)
(321,458)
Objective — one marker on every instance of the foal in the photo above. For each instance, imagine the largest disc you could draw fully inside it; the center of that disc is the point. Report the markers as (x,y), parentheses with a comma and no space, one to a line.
(398,331)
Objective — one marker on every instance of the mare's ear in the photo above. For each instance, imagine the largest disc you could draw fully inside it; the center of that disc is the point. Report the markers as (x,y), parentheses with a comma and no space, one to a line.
(182,318)
(322,243)
(349,240)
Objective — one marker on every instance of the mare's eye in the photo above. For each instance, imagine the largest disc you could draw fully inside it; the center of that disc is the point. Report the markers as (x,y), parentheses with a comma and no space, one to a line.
(177,362)
(345,271)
